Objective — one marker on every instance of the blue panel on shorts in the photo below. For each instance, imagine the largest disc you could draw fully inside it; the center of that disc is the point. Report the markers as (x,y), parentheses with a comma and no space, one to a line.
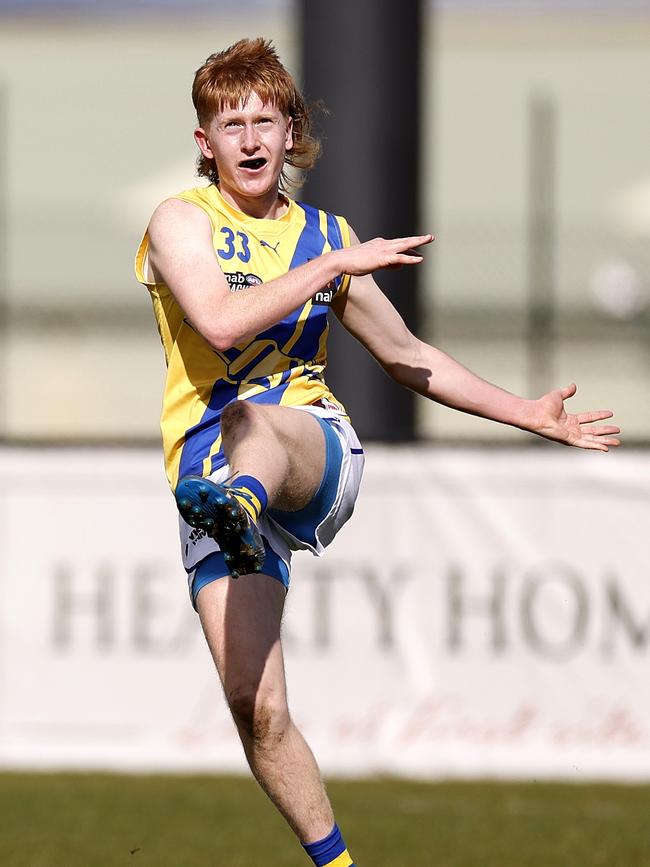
(214,567)
(303,523)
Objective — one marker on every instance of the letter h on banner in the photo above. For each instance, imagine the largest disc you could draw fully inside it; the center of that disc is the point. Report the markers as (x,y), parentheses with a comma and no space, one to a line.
(92,602)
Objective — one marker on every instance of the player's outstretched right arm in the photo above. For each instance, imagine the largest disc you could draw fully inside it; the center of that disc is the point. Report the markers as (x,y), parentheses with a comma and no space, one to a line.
(182,255)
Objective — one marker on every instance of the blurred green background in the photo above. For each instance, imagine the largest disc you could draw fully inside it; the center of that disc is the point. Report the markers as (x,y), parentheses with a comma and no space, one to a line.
(96,127)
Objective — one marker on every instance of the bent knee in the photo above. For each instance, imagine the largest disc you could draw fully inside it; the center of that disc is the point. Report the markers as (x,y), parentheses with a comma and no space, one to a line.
(238,416)
(236,413)
(262,716)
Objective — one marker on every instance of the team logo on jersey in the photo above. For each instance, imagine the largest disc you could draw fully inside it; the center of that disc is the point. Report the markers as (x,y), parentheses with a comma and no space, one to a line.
(324,296)
(238,280)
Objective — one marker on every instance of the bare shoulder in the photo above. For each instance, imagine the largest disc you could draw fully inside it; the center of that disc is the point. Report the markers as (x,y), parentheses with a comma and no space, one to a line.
(179,232)
(173,215)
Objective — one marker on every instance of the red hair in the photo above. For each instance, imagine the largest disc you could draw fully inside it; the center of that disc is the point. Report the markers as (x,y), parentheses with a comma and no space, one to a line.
(228,78)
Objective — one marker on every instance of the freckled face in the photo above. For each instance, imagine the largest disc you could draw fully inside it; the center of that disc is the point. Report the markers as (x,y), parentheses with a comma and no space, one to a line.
(248,145)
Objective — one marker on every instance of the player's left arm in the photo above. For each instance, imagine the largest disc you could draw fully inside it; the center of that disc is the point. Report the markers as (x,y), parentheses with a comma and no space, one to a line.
(370,317)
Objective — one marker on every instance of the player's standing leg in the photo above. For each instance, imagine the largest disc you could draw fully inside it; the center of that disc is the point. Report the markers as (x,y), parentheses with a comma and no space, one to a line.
(241,621)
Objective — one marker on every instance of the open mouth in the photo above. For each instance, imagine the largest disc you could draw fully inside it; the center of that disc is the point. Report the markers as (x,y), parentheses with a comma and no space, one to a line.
(253,164)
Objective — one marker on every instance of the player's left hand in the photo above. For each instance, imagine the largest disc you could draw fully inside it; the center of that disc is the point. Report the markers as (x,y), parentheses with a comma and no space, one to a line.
(550,420)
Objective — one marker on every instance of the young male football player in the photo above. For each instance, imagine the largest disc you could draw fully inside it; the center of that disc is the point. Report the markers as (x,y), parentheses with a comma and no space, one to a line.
(261,455)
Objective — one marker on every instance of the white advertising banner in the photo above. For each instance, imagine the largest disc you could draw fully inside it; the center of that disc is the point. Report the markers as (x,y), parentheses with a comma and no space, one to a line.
(484,613)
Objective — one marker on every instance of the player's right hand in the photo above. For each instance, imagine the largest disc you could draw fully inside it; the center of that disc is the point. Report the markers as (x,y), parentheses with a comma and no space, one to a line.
(370,256)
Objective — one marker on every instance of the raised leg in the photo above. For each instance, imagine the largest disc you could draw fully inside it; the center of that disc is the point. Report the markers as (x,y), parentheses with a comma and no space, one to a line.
(277,457)
(282,447)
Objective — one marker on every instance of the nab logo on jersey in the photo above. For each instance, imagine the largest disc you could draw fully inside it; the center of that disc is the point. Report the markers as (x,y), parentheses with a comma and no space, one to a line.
(324,296)
(238,280)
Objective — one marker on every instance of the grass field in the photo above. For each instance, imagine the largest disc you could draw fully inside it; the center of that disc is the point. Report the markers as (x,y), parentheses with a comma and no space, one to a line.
(74,820)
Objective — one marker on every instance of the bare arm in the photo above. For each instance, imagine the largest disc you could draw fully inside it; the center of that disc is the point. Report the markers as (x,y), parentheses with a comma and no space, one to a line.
(372,319)
(181,254)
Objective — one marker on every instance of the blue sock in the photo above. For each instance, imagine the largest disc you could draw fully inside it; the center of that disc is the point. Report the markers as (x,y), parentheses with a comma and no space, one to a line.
(330,851)
(252,495)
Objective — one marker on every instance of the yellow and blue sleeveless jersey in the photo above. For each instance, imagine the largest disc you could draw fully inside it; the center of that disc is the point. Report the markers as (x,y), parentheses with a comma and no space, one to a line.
(283,365)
